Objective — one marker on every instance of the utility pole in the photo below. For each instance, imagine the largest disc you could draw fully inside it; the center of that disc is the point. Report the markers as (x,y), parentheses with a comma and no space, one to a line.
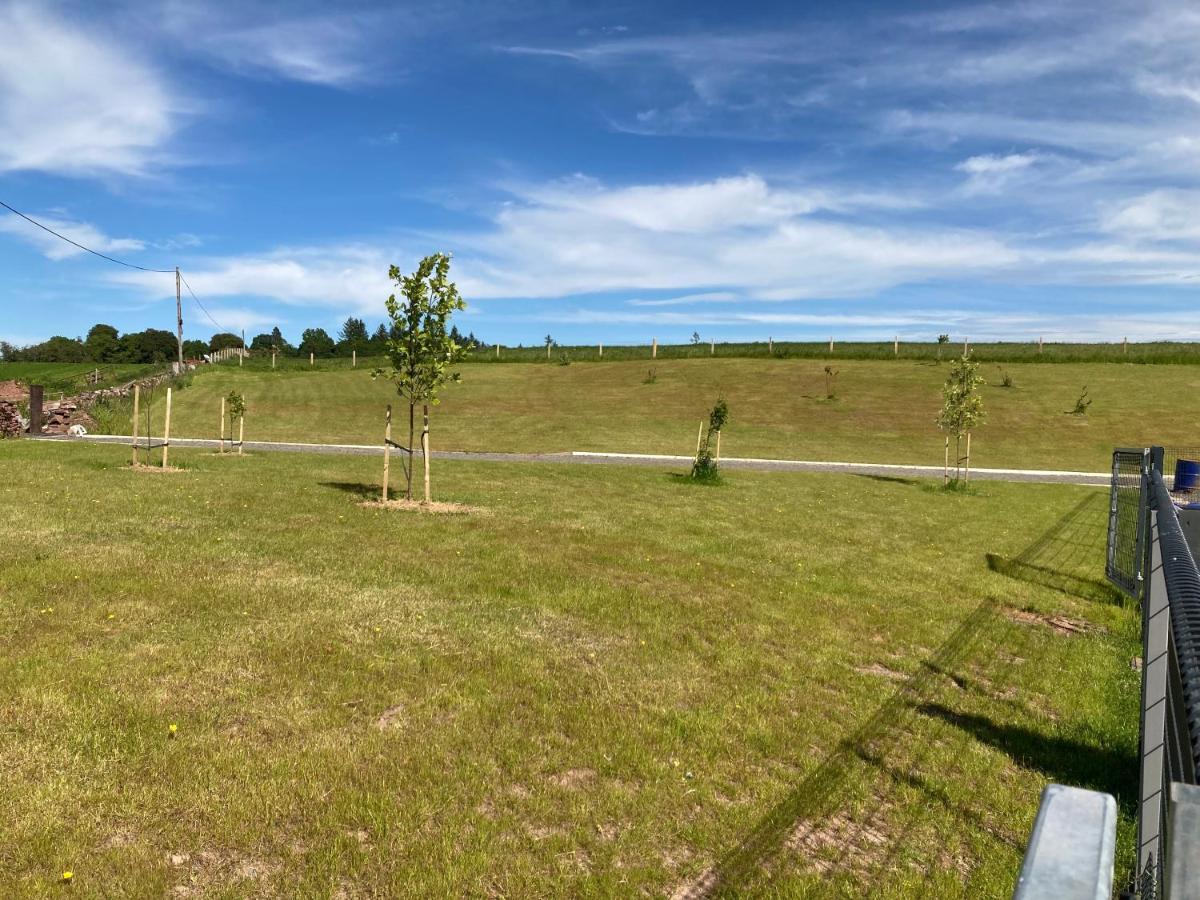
(242,355)
(179,320)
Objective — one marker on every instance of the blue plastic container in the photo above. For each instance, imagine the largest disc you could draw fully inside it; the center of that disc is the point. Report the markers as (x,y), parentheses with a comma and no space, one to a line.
(1187,475)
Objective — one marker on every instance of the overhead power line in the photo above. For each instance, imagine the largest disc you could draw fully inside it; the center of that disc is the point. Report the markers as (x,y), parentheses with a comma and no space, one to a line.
(216,324)
(81,246)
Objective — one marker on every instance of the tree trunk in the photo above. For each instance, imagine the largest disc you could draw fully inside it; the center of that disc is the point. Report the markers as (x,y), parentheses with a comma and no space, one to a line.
(408,474)
(425,446)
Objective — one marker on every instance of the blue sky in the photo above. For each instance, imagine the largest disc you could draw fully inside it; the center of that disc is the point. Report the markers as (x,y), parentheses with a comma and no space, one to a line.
(608,172)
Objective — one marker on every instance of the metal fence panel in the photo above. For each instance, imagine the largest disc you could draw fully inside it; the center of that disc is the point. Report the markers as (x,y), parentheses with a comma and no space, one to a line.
(1126,521)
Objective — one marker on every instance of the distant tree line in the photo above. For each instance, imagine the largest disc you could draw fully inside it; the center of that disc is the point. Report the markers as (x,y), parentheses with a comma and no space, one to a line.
(104,344)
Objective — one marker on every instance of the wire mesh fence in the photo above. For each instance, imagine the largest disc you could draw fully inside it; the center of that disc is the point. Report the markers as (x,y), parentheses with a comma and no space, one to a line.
(1126,521)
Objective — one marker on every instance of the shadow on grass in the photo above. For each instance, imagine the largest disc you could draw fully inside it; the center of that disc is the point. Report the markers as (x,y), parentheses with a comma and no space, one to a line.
(1060,556)
(356,488)
(822,792)
(1061,759)
(891,479)
(686,478)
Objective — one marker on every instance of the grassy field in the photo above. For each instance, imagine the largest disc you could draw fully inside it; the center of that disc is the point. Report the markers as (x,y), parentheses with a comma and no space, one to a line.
(607,683)
(883,411)
(72,377)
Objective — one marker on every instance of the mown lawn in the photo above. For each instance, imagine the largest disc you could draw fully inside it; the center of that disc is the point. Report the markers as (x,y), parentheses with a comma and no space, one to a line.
(608,683)
(883,411)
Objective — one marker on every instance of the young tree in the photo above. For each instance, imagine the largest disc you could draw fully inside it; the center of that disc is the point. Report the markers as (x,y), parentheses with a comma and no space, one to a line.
(705,466)
(943,339)
(962,410)
(421,349)
(695,337)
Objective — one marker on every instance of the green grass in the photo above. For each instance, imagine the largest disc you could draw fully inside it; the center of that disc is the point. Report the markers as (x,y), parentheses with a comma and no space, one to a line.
(72,377)
(605,685)
(883,411)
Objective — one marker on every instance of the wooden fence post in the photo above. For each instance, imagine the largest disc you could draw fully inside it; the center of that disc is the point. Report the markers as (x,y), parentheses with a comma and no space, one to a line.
(896,346)
(167,430)
(602,351)
(387,451)
(241,432)
(311,359)
(771,346)
(1125,346)
(654,348)
(136,392)
(354,359)
(272,359)
(221,440)
(831,346)
(712,347)
(497,351)
(1040,344)
(425,446)
(966,346)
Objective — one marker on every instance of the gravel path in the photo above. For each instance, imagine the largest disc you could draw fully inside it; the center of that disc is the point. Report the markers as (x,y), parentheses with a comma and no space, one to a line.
(578,457)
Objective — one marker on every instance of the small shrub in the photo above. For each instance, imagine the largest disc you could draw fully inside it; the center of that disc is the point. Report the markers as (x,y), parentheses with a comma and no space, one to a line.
(830,375)
(1082,404)
(704,469)
(1006,380)
(564,360)
(651,377)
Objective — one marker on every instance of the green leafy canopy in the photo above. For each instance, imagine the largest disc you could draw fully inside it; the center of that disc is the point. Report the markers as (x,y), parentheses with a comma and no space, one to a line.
(421,349)
(962,404)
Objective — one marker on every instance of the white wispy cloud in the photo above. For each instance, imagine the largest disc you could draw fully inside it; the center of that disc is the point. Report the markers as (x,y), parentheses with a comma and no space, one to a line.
(82,232)
(75,102)
(335,48)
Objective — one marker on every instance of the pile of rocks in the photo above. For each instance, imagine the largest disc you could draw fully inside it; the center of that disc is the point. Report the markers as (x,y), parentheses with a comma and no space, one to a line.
(11,425)
(60,417)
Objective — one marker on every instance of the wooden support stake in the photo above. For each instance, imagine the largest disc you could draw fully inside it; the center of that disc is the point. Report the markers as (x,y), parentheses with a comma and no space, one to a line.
(771,345)
(497,351)
(241,433)
(354,359)
(272,359)
(967,469)
(654,349)
(137,389)
(1125,346)
(167,430)
(896,346)
(387,451)
(221,441)
(831,346)
(966,346)
(946,470)
(1040,344)
(712,348)
(718,446)
(425,446)
(699,436)
(311,359)
(601,351)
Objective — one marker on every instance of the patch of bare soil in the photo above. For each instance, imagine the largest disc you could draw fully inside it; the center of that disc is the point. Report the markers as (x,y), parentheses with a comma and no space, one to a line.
(13,391)
(881,671)
(573,778)
(836,840)
(437,508)
(390,718)
(1060,624)
(161,469)
(209,872)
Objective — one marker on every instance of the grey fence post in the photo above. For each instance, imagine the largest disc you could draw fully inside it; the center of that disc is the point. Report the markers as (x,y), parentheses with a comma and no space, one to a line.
(1072,847)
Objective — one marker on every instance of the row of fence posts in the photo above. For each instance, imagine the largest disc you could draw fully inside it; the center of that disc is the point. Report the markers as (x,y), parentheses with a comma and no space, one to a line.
(1041,341)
